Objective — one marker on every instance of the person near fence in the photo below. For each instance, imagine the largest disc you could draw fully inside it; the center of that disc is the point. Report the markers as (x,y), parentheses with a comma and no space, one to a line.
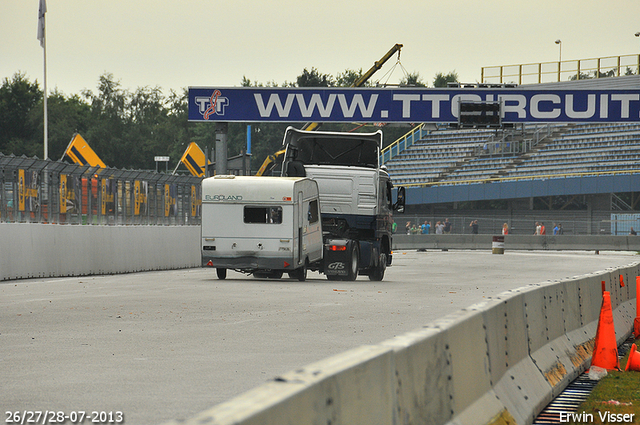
(505,229)
(474,227)
(426,228)
(439,228)
(632,232)
(447,226)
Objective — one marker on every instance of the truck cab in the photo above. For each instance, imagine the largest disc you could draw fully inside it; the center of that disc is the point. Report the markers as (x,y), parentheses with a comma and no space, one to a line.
(355,198)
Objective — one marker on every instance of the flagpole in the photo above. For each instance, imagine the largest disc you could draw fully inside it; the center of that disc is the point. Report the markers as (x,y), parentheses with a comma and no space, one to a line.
(46,118)
(42,11)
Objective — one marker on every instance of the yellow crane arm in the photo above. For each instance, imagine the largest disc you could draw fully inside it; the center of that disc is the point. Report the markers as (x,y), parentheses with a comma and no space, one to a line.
(269,163)
(363,79)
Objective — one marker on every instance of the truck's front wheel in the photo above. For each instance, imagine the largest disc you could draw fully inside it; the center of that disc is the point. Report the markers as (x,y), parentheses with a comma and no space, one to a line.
(222,273)
(377,273)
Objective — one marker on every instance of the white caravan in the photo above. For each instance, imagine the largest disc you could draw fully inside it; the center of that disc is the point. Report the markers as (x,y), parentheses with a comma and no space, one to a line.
(261,225)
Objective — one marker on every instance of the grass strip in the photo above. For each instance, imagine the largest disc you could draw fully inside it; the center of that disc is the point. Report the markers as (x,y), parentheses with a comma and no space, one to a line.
(615,399)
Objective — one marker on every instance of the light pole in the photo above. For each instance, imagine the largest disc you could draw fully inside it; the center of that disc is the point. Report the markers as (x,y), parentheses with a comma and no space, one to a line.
(559,43)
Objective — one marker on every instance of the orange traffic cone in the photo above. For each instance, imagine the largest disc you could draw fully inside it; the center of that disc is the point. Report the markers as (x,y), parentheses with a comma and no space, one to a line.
(633,363)
(605,351)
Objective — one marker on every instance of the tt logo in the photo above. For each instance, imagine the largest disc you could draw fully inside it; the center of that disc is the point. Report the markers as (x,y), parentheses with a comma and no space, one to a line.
(213,105)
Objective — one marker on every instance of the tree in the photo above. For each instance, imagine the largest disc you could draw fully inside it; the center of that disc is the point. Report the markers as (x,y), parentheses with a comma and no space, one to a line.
(412,80)
(349,77)
(19,98)
(66,116)
(441,80)
(313,78)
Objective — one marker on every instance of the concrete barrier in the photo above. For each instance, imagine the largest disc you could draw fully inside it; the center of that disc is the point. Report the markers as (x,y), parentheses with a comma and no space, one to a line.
(519,242)
(48,250)
(500,361)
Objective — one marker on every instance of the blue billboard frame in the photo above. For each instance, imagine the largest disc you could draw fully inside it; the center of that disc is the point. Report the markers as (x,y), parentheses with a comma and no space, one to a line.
(408,105)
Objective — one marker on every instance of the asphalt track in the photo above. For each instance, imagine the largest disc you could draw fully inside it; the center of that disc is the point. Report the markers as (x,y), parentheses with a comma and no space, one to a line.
(165,345)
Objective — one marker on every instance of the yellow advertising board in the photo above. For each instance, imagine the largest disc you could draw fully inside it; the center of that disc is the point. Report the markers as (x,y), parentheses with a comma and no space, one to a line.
(81,153)
(193,158)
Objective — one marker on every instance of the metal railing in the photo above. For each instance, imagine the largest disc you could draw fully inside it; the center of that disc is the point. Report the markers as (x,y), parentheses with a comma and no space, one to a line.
(545,176)
(514,142)
(45,191)
(544,72)
(402,143)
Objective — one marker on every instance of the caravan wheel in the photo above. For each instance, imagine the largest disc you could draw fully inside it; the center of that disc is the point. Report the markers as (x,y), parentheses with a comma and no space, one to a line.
(222,273)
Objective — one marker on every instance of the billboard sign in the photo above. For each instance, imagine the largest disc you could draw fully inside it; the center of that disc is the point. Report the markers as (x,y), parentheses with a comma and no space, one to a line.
(408,105)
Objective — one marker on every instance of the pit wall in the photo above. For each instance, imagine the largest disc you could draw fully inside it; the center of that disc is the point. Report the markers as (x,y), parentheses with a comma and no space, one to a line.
(30,250)
(498,362)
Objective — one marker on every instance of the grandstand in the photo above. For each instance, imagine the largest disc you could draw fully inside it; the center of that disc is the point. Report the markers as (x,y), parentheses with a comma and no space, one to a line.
(468,156)
(584,173)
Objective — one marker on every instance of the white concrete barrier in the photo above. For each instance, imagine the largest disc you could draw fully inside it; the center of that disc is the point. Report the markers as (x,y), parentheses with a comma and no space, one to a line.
(500,361)
(48,250)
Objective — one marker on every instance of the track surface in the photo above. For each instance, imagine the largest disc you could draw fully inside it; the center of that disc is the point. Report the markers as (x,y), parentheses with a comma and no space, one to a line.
(165,345)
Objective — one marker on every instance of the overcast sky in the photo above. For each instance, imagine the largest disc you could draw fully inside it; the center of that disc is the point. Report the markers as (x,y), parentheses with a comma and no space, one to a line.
(177,44)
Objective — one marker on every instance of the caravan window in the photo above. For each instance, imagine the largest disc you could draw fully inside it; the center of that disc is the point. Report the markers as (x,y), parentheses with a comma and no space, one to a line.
(264,215)
(313,212)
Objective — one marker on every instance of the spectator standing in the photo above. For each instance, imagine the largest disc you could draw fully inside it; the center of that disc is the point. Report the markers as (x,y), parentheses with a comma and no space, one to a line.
(537,230)
(425,228)
(474,227)
(632,232)
(543,231)
(439,228)
(447,226)
(505,229)
(555,229)
(560,231)
(408,227)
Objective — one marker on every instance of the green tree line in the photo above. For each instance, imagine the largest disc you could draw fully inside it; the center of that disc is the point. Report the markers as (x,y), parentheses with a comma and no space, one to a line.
(128,128)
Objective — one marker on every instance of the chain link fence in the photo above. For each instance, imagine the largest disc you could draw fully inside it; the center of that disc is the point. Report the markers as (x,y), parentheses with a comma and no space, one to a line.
(44,191)
(524,222)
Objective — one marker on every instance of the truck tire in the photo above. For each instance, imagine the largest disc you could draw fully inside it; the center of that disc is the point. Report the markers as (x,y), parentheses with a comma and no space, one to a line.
(222,273)
(377,273)
(354,263)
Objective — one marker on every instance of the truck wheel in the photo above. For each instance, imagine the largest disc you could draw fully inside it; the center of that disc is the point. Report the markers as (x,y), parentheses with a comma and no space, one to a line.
(354,263)
(377,274)
(222,273)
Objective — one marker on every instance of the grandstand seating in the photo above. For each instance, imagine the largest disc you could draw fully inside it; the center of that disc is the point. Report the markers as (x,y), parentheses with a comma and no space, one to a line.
(456,156)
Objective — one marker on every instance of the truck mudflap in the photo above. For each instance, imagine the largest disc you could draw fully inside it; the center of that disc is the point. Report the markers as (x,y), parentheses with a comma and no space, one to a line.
(341,259)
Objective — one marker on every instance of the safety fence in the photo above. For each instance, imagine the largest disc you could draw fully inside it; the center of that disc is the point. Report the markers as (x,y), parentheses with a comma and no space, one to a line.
(44,191)
(545,72)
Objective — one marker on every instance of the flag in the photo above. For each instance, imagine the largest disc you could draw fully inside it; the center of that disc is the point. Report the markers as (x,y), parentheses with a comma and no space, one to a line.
(193,159)
(41,11)
(81,153)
